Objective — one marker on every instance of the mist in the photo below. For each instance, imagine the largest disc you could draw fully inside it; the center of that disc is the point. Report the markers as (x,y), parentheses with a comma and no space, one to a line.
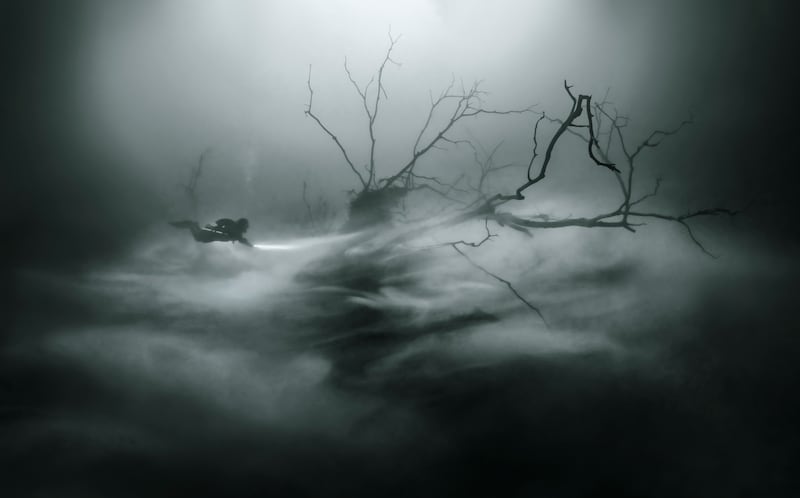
(336,359)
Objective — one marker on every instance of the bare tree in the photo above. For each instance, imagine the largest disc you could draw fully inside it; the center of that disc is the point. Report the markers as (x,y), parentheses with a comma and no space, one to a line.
(587,120)
(629,214)
(378,194)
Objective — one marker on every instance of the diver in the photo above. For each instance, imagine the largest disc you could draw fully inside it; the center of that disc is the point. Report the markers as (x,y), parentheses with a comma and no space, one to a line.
(224,230)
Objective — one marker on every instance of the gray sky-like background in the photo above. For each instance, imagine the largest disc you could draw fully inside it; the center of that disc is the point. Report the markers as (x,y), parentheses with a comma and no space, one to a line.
(136,362)
(109,104)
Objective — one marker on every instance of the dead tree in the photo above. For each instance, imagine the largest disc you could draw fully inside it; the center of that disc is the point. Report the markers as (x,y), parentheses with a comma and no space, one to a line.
(585,119)
(598,119)
(378,194)
(629,214)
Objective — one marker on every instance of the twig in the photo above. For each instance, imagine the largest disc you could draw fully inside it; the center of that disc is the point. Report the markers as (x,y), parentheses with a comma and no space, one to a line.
(503,281)
(310,113)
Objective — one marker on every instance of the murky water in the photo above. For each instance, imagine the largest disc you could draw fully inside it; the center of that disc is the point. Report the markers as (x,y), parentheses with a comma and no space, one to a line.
(370,361)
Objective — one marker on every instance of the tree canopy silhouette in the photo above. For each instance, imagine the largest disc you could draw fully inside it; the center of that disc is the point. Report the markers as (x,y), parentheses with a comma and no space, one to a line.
(597,124)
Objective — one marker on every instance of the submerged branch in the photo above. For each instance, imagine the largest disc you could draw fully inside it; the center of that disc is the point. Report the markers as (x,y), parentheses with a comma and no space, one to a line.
(503,281)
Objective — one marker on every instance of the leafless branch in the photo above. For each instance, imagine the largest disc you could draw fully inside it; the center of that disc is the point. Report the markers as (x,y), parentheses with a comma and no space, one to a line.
(451,106)
(486,165)
(505,282)
(683,221)
(622,216)
(309,112)
(465,104)
(535,153)
(442,193)
(576,111)
(647,196)
(489,236)
(656,137)
(603,131)
(372,114)
(190,188)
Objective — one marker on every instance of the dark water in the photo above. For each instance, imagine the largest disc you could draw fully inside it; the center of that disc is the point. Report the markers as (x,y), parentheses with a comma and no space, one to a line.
(352,366)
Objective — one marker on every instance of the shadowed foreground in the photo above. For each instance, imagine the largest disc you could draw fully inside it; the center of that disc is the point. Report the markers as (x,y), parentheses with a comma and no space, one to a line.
(343,367)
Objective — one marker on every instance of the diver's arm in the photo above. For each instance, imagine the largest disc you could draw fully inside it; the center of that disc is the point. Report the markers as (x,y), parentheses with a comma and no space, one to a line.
(244,241)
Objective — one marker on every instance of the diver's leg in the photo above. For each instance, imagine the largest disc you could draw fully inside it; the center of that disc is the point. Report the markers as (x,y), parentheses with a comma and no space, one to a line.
(193,227)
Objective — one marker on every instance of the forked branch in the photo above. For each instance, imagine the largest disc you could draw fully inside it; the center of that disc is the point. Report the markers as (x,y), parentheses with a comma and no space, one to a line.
(448,109)
(309,112)
(622,216)
(578,106)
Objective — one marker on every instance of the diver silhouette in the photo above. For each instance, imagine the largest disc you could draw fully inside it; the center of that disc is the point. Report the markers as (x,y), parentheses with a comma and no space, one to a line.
(224,230)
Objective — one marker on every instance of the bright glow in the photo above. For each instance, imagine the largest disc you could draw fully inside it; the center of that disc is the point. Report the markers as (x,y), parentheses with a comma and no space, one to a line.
(304,243)
(275,247)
